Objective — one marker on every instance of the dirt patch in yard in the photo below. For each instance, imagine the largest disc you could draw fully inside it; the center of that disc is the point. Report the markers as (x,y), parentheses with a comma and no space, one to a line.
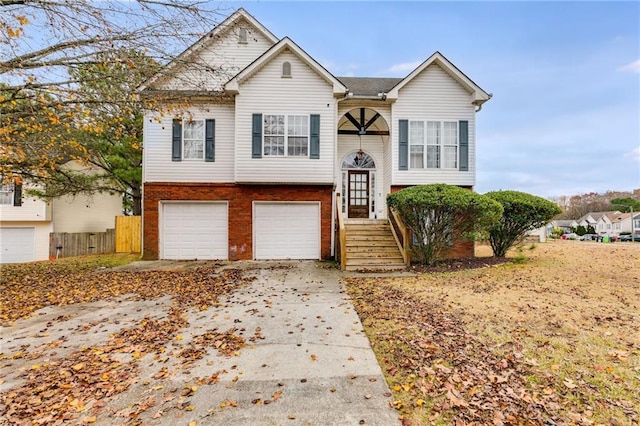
(552,339)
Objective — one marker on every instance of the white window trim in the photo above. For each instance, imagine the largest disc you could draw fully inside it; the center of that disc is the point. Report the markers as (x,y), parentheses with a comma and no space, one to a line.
(440,144)
(185,122)
(8,192)
(286,136)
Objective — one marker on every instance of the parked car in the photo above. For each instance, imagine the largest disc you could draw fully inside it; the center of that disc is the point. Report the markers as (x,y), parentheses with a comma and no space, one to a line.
(628,237)
(571,236)
(609,238)
(588,237)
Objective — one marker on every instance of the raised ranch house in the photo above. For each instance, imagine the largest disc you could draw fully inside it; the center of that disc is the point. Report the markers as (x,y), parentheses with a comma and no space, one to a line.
(271,149)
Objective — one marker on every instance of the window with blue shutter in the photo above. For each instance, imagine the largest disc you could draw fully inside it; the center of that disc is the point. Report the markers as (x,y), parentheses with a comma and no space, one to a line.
(210,140)
(256,136)
(176,148)
(314,148)
(464,145)
(403,144)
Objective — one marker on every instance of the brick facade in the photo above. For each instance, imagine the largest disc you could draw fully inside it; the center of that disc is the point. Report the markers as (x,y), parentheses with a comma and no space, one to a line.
(240,198)
(461,248)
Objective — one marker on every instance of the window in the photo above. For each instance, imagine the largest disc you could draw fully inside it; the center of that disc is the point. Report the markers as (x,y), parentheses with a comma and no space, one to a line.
(286,70)
(286,135)
(433,144)
(6,194)
(416,144)
(441,140)
(449,145)
(193,140)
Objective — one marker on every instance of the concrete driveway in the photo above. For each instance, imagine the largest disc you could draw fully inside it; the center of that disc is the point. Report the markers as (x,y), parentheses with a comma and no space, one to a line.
(307,360)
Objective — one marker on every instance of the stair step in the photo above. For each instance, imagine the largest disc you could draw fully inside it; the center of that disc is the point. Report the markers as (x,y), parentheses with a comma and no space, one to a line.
(370,245)
(365,268)
(366,260)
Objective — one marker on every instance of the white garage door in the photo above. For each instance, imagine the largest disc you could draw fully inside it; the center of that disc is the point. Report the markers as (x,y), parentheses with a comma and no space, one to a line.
(286,230)
(17,245)
(194,231)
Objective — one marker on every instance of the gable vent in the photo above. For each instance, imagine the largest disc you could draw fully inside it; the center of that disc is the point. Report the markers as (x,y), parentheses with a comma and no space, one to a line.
(286,70)
(242,36)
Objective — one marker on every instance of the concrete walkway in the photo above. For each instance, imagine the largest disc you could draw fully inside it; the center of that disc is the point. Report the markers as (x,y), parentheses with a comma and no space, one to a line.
(314,352)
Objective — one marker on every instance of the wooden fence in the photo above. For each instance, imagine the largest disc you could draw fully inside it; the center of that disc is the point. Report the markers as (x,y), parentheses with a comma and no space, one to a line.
(128,234)
(66,244)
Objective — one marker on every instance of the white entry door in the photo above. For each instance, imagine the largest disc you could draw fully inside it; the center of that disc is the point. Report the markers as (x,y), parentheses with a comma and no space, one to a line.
(17,245)
(194,231)
(286,230)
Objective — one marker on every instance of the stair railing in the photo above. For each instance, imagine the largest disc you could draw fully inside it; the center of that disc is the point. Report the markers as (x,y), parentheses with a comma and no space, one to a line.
(401,234)
(342,234)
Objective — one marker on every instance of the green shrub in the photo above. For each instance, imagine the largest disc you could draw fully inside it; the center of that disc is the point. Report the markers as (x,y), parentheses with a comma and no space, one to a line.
(439,213)
(522,213)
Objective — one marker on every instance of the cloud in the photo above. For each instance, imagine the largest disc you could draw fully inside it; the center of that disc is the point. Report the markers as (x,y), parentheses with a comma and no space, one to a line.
(405,67)
(633,154)
(632,67)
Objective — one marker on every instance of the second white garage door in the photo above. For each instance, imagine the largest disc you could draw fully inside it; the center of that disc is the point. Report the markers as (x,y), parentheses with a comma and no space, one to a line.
(195,231)
(286,230)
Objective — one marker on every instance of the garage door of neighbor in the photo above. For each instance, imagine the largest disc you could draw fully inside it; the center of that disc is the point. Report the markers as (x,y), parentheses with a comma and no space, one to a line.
(17,245)
(194,231)
(286,230)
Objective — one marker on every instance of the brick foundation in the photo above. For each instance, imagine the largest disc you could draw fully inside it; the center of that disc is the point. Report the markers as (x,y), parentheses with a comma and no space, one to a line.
(461,248)
(240,198)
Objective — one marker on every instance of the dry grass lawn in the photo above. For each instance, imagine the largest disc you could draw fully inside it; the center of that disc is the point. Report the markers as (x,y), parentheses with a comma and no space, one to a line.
(563,324)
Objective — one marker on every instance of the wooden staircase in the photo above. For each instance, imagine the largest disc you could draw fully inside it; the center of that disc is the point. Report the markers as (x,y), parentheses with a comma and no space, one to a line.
(370,245)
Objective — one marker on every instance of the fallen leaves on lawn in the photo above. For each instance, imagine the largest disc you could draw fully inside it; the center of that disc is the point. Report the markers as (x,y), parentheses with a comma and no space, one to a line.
(75,388)
(434,359)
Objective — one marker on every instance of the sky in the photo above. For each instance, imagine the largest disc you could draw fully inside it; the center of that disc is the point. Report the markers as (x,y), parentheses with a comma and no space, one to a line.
(565,77)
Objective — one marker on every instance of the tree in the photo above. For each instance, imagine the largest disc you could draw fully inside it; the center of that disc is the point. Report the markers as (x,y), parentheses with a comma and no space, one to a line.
(110,130)
(522,213)
(53,67)
(439,213)
(626,204)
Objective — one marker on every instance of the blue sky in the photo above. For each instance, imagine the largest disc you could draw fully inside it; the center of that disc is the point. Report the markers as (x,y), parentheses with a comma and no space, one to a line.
(565,116)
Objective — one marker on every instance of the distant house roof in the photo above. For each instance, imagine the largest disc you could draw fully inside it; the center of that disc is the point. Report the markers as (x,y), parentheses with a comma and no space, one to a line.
(618,217)
(565,223)
(369,86)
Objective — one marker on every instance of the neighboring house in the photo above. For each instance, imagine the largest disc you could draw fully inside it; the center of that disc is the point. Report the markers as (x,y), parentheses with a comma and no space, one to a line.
(589,220)
(620,223)
(253,167)
(567,225)
(26,222)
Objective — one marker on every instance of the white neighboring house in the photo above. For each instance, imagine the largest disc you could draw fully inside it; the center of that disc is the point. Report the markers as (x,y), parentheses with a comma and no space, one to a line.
(621,222)
(26,222)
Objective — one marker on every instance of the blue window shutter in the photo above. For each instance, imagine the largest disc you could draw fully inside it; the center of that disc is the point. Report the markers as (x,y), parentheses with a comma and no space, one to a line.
(314,148)
(464,145)
(176,149)
(403,145)
(17,195)
(256,136)
(210,140)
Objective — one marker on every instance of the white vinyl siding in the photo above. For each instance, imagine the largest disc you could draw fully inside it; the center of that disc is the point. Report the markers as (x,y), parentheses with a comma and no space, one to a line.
(211,68)
(286,230)
(194,231)
(435,96)
(32,209)
(304,94)
(158,166)
(82,213)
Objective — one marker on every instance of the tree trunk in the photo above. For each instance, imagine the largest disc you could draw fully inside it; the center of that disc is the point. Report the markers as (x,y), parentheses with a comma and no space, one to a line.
(136,197)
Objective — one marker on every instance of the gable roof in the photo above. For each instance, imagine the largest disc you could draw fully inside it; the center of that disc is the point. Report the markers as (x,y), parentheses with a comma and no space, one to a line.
(206,40)
(369,86)
(480,96)
(232,85)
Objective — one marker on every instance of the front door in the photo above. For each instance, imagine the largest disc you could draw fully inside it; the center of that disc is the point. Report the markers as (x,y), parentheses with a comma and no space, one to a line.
(358,194)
